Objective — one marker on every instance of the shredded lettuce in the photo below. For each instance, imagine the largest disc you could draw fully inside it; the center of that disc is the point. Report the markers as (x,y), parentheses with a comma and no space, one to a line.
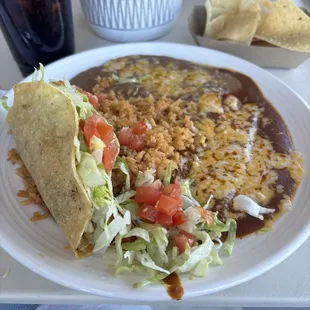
(122,198)
(206,206)
(101,196)
(83,146)
(229,243)
(148,226)
(4,103)
(37,73)
(152,256)
(99,215)
(145,178)
(123,80)
(201,268)
(187,199)
(198,252)
(129,255)
(90,174)
(185,187)
(136,245)
(174,253)
(96,234)
(129,269)
(77,144)
(246,204)
(119,250)
(215,258)
(167,177)
(157,277)
(144,258)
(117,225)
(106,221)
(193,217)
(83,107)
(139,275)
(158,245)
(138,232)
(218,240)
(121,164)
(187,202)
(132,207)
(218,226)
(176,260)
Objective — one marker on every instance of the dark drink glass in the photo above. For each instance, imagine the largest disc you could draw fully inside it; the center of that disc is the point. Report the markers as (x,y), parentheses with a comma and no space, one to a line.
(37,31)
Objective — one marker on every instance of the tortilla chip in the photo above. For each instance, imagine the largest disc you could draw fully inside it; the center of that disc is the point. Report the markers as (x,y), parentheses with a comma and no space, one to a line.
(249,6)
(208,15)
(218,13)
(241,28)
(265,9)
(220,7)
(44,123)
(286,26)
(216,25)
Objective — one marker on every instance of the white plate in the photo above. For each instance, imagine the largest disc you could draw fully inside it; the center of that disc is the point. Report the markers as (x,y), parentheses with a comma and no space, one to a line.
(40,246)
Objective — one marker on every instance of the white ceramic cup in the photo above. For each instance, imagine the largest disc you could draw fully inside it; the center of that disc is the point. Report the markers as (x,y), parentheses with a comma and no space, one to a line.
(131,20)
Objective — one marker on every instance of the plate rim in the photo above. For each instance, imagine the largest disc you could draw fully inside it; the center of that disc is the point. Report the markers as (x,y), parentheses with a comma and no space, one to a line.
(253,272)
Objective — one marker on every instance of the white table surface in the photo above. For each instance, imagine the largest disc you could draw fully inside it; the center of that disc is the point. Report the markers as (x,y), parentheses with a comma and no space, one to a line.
(286,285)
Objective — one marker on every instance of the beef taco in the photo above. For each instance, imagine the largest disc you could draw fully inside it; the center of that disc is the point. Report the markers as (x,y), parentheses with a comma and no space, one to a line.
(70,167)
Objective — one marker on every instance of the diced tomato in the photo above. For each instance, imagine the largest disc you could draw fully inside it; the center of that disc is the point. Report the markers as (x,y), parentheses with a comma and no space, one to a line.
(109,156)
(147,212)
(147,194)
(207,215)
(167,205)
(174,191)
(191,237)
(179,218)
(127,138)
(89,130)
(139,128)
(93,100)
(168,188)
(95,125)
(105,132)
(180,242)
(136,143)
(95,118)
(182,238)
(124,136)
(164,219)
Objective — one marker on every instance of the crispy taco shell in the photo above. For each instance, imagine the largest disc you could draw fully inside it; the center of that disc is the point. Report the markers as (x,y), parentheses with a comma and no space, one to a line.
(44,122)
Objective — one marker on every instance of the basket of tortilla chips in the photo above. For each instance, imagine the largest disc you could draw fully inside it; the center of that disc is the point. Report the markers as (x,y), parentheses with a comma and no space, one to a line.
(268,33)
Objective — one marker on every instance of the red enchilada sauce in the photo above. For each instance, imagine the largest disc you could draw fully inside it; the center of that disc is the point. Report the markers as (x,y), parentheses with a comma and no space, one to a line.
(174,286)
